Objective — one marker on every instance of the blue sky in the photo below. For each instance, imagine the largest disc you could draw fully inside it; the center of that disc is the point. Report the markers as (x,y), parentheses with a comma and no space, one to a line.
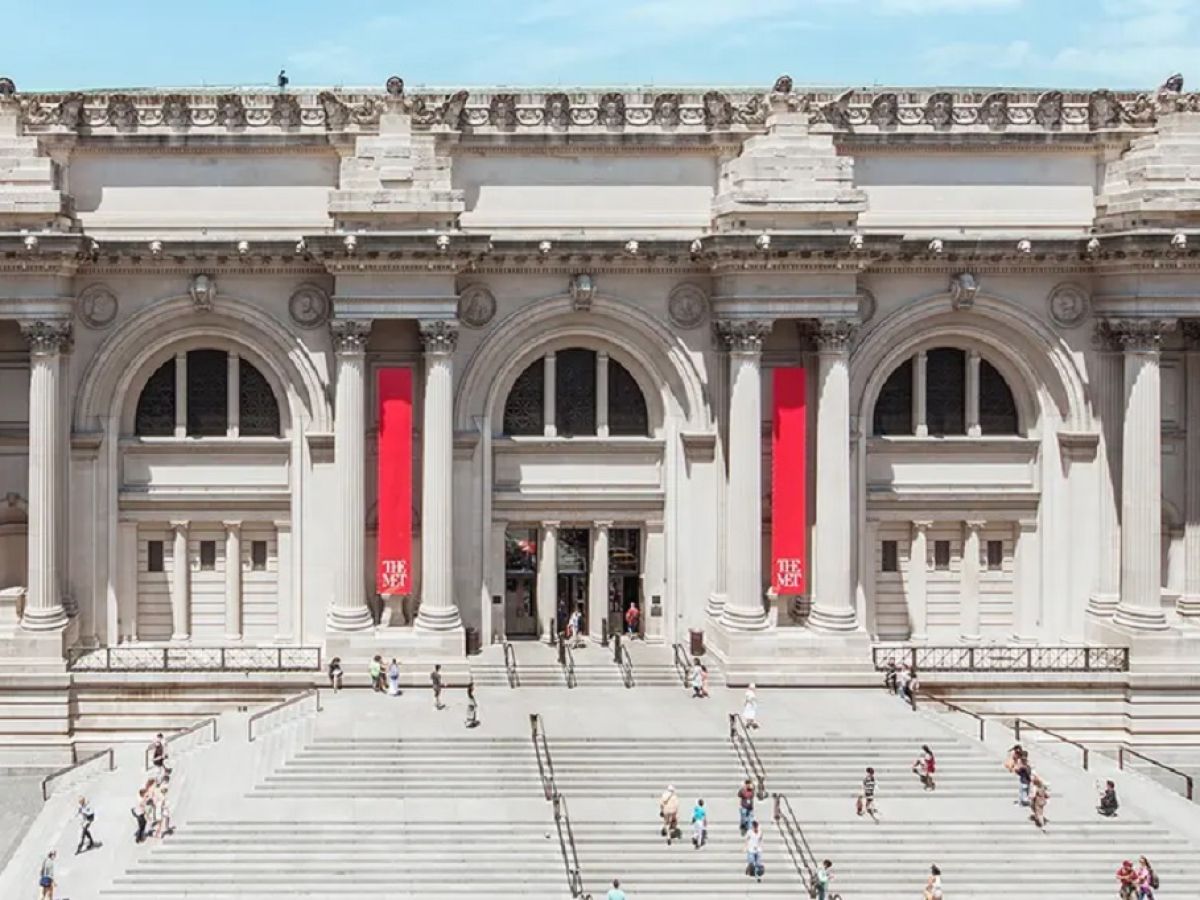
(1065,43)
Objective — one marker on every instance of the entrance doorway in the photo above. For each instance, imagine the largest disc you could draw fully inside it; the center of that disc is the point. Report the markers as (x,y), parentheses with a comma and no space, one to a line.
(624,576)
(520,583)
(573,559)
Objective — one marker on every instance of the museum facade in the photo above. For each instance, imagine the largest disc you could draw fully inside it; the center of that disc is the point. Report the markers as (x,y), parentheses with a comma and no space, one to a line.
(803,369)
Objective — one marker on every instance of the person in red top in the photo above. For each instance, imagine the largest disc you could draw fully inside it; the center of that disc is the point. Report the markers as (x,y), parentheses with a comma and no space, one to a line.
(632,615)
(1127,878)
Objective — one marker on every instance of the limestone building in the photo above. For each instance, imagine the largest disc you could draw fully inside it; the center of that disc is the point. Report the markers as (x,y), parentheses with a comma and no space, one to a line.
(992,293)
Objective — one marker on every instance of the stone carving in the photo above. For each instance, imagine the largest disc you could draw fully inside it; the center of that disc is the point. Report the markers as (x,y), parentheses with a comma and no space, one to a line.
(231,111)
(1067,304)
(451,112)
(175,111)
(993,112)
(349,335)
(557,110)
(1133,335)
(476,306)
(502,111)
(783,85)
(1103,110)
(46,338)
(583,290)
(395,86)
(1142,112)
(742,335)
(666,109)
(612,110)
(834,335)
(203,290)
(337,114)
(285,111)
(687,305)
(885,110)
(309,306)
(120,112)
(837,111)
(439,336)
(963,288)
(1049,110)
(96,305)
(1174,84)
(7,88)
(718,111)
(866,306)
(939,110)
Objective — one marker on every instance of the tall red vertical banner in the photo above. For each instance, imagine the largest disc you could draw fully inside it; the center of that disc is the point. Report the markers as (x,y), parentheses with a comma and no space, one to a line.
(393,574)
(789,505)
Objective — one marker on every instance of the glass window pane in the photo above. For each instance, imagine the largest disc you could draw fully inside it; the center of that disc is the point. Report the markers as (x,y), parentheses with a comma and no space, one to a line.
(941,555)
(155,415)
(575,392)
(573,551)
(520,550)
(258,413)
(995,555)
(524,410)
(894,406)
(624,551)
(207,393)
(997,408)
(891,557)
(258,556)
(208,555)
(154,556)
(945,391)
(626,405)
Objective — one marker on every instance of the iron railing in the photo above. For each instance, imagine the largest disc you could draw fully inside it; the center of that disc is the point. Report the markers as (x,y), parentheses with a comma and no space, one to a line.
(796,843)
(510,665)
(1031,726)
(179,735)
(952,706)
(313,694)
(1003,659)
(683,665)
(566,843)
(568,662)
(195,659)
(625,662)
(60,774)
(743,746)
(541,749)
(1125,750)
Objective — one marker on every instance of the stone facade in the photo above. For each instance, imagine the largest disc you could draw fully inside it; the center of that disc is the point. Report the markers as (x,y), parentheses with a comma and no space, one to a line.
(994,293)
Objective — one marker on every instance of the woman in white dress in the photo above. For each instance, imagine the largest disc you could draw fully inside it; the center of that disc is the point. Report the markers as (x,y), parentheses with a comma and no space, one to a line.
(750,708)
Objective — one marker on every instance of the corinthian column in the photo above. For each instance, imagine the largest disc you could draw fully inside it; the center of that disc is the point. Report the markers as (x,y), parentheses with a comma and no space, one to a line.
(1140,606)
(969,594)
(43,607)
(744,605)
(438,612)
(833,605)
(349,611)
(1189,601)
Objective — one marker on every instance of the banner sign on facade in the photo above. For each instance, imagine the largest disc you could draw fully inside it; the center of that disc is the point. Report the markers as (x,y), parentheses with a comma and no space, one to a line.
(394,552)
(789,503)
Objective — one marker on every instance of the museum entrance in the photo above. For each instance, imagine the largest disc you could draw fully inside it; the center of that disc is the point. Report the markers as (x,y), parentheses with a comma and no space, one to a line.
(573,559)
(624,576)
(520,583)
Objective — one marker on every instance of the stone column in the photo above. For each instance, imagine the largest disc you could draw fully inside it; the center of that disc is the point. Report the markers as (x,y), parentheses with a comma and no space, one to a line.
(969,593)
(833,605)
(438,611)
(918,579)
(920,367)
(284,609)
(598,580)
(547,575)
(181,620)
(1108,380)
(349,611)
(1140,606)
(602,394)
(180,395)
(1028,577)
(44,603)
(233,379)
(744,601)
(233,580)
(549,380)
(1189,601)
(971,413)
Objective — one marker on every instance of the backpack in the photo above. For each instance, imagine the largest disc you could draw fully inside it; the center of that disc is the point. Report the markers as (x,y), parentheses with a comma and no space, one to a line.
(1154,879)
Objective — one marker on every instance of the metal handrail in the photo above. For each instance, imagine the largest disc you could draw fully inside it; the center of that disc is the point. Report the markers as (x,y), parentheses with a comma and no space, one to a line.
(541,750)
(191,729)
(314,693)
(625,662)
(976,716)
(193,658)
(566,843)
(1003,658)
(568,663)
(53,776)
(682,665)
(1124,749)
(785,820)
(1017,723)
(510,665)
(739,736)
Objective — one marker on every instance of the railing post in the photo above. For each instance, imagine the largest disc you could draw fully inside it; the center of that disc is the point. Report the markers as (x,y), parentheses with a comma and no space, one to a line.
(1087,659)
(165,659)
(1085,759)
(1189,786)
(1017,730)
(912,659)
(775,807)
(1121,758)
(732,726)
(1028,659)
(617,648)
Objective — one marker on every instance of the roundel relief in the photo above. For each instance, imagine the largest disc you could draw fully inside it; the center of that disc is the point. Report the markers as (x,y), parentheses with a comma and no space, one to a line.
(309,306)
(1068,304)
(687,306)
(96,306)
(476,306)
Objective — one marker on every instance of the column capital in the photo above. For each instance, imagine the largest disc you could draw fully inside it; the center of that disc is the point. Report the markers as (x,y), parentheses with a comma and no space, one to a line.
(232,524)
(742,335)
(833,335)
(46,338)
(551,525)
(350,336)
(922,525)
(1133,335)
(974,524)
(602,524)
(1026,526)
(439,336)
(282,524)
(179,524)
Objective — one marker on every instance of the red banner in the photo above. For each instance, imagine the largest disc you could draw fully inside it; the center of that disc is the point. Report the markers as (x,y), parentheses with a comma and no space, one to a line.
(789,504)
(393,573)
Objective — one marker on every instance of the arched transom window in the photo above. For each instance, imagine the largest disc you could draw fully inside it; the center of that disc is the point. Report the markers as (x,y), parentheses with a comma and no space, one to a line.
(207,393)
(945,391)
(573,393)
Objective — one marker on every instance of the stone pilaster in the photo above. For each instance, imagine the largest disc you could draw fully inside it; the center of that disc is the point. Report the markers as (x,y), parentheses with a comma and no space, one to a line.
(181,620)
(833,604)
(547,575)
(438,611)
(233,580)
(285,596)
(1189,601)
(743,609)
(969,593)
(972,411)
(1028,575)
(44,603)
(918,580)
(1108,380)
(598,580)
(349,611)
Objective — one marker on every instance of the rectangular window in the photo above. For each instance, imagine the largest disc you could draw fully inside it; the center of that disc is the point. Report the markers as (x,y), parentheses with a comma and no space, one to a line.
(891,557)
(941,555)
(995,555)
(258,556)
(154,556)
(208,556)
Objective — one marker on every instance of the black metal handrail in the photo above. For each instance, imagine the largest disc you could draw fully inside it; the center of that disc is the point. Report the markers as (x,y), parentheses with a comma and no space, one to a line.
(744,747)
(1000,658)
(796,843)
(566,843)
(191,729)
(625,662)
(313,693)
(54,776)
(510,665)
(541,749)
(925,695)
(195,659)
(1125,750)
(568,662)
(1032,726)
(683,665)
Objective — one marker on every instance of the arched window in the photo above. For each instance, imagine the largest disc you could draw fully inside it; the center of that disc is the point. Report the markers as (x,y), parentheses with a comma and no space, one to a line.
(206,413)
(943,372)
(592,395)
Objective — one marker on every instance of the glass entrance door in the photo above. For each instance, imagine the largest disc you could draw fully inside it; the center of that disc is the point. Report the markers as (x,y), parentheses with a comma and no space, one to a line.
(574,553)
(520,583)
(624,576)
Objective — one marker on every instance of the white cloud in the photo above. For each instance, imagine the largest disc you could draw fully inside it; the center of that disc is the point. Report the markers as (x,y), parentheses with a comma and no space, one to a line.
(930,7)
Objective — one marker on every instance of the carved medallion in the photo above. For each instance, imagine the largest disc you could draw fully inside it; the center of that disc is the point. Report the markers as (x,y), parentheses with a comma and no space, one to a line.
(687,306)
(866,306)
(96,306)
(582,289)
(203,290)
(1067,304)
(476,306)
(309,306)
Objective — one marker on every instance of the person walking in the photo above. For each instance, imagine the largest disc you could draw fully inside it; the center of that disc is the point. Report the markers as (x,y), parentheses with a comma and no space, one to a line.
(866,800)
(633,617)
(890,671)
(924,767)
(1127,881)
(375,673)
(1013,757)
(163,826)
(697,679)
(393,677)
(1147,881)
(139,814)
(821,879)
(472,707)
(615,892)
(668,811)
(1024,773)
(933,884)
(435,681)
(754,845)
(87,816)
(750,707)
(1108,800)
(1041,794)
(699,825)
(745,806)
(158,754)
(46,878)
(335,674)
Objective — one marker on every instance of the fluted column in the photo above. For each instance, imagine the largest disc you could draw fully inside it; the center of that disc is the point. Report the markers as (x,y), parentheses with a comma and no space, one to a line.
(918,580)
(969,592)
(1108,380)
(1140,606)
(438,611)
(744,601)
(181,620)
(547,574)
(349,611)
(833,605)
(598,580)
(43,606)
(233,580)
(972,400)
(1028,576)
(1189,601)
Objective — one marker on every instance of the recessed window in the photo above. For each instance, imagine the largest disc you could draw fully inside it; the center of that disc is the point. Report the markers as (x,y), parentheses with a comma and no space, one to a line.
(894,406)
(258,556)
(154,556)
(206,410)
(891,557)
(208,556)
(995,555)
(941,555)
